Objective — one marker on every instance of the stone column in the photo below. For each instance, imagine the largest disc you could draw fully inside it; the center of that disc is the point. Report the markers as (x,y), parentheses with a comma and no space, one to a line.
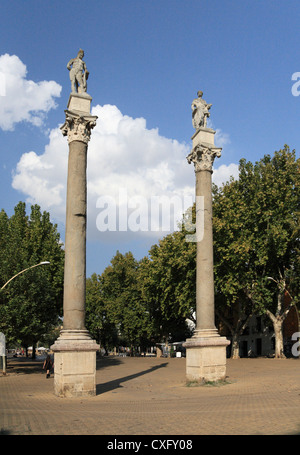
(74,350)
(206,350)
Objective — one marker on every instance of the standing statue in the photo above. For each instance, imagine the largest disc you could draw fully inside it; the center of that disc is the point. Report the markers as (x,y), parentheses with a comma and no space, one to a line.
(200,110)
(78,73)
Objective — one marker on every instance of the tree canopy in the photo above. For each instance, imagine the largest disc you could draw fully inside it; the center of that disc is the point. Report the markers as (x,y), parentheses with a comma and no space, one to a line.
(32,302)
(256,236)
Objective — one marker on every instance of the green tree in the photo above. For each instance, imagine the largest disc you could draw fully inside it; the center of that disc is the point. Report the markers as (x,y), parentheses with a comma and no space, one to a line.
(30,303)
(121,297)
(168,286)
(98,321)
(256,237)
(232,266)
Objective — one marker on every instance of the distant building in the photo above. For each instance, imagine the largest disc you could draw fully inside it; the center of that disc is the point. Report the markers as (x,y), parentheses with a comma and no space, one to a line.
(258,338)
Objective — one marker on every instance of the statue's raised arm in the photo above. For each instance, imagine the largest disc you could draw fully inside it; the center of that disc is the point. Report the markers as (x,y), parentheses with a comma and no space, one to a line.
(200,112)
(78,73)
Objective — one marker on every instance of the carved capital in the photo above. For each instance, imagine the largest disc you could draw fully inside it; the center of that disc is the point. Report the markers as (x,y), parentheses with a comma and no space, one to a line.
(78,127)
(203,157)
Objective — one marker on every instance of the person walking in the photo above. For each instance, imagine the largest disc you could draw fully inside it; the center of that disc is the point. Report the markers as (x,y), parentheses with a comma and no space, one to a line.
(48,364)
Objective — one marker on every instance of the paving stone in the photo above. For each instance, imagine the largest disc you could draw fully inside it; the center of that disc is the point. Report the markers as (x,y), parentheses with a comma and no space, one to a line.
(149,396)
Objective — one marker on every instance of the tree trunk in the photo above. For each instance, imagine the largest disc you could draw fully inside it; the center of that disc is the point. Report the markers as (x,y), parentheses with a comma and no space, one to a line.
(235,350)
(277,325)
(236,332)
(279,354)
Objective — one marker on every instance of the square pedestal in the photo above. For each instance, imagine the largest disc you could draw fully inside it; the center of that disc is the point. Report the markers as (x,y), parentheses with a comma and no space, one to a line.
(80,102)
(75,364)
(203,136)
(75,373)
(206,359)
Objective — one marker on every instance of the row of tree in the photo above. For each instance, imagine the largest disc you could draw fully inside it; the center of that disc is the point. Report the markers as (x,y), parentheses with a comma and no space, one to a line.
(256,257)
(139,303)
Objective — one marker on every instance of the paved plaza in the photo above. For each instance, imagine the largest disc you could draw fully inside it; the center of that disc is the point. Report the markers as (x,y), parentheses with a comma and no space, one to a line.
(149,396)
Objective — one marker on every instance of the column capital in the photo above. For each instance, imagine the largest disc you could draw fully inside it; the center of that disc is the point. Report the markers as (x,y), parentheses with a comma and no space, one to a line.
(78,126)
(203,156)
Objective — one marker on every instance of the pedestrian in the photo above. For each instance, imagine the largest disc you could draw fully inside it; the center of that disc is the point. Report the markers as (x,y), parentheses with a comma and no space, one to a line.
(48,364)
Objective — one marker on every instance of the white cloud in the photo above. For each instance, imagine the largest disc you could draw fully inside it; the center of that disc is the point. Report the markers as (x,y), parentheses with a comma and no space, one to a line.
(128,165)
(223,173)
(43,177)
(23,99)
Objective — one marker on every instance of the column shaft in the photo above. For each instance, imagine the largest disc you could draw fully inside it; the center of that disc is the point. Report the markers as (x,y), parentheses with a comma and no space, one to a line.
(204,265)
(75,241)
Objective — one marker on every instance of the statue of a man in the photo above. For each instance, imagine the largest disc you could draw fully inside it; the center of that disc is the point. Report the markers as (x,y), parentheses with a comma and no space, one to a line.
(200,112)
(78,73)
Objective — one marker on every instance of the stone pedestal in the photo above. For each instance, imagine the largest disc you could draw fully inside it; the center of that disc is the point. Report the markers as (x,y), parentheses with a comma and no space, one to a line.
(75,364)
(74,350)
(206,350)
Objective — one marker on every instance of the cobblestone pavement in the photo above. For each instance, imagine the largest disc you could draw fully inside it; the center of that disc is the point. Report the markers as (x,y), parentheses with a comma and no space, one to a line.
(149,396)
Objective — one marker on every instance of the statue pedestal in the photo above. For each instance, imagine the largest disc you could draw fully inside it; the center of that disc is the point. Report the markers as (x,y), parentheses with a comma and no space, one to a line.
(80,102)
(75,364)
(206,357)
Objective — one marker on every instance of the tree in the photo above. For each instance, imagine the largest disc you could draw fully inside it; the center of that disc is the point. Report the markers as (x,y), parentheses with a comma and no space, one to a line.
(256,236)
(232,266)
(120,302)
(31,303)
(168,286)
(98,321)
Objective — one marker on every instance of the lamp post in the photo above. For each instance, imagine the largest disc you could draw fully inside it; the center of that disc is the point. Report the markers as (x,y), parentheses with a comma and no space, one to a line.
(25,270)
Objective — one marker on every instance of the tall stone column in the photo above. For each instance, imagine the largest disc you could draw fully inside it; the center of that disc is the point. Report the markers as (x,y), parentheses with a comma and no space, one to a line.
(74,350)
(206,350)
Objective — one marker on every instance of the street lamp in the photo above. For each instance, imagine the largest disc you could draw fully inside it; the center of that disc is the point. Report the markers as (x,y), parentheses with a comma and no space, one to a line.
(22,271)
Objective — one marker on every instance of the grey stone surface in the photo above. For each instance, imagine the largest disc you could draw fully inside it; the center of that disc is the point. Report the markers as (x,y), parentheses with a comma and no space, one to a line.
(78,73)
(74,350)
(200,111)
(206,350)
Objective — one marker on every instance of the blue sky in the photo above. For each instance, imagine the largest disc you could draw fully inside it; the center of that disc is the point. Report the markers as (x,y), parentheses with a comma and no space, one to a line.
(147,60)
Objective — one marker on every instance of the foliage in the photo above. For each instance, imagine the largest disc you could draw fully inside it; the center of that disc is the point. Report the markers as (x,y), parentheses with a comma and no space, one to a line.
(118,307)
(256,233)
(30,303)
(169,285)
(98,322)
(256,245)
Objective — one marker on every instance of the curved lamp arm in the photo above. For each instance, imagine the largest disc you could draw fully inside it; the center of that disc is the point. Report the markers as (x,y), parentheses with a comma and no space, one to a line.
(22,271)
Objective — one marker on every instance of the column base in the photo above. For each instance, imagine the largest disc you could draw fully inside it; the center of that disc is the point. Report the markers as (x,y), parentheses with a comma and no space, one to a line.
(75,364)
(206,357)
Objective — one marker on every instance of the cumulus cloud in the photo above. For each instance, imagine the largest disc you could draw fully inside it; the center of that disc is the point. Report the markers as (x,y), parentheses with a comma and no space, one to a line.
(22,99)
(224,172)
(138,181)
(42,178)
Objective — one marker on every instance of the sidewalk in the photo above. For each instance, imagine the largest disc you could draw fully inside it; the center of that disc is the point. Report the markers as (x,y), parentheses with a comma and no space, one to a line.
(148,396)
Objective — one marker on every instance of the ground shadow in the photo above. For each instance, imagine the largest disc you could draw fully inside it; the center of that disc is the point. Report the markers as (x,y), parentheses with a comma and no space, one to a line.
(116,383)
(103,362)
(25,365)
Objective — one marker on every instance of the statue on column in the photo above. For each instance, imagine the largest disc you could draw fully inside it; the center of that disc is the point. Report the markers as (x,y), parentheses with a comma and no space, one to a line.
(78,73)
(200,112)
